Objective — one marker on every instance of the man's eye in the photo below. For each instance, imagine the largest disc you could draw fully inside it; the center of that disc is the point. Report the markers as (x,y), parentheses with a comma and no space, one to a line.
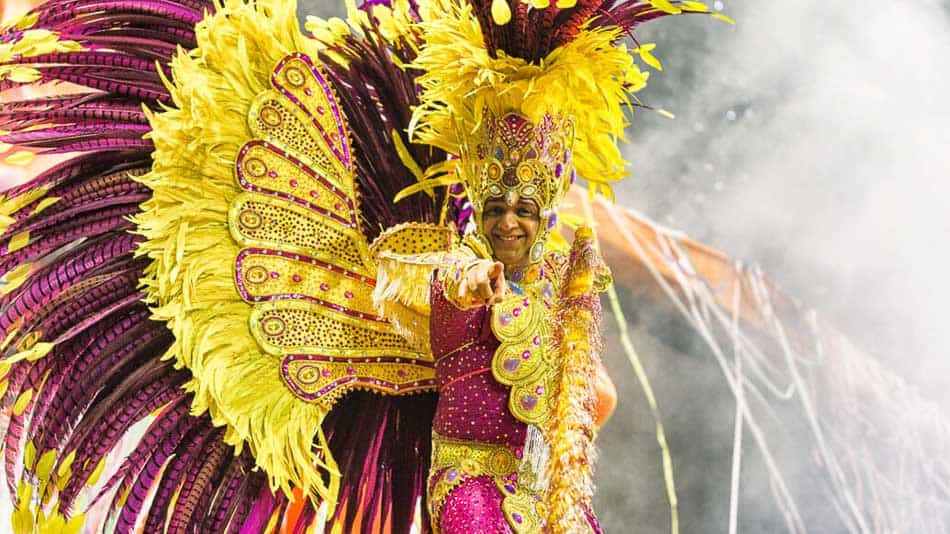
(525,213)
(493,212)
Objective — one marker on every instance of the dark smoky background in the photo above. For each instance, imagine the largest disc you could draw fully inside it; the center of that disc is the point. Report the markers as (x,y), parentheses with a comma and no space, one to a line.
(810,139)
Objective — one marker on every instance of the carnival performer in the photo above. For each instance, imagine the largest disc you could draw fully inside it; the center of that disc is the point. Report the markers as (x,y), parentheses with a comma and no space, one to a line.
(264,296)
(514,335)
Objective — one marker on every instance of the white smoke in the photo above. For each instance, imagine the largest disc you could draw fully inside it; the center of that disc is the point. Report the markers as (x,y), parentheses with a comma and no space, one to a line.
(811,137)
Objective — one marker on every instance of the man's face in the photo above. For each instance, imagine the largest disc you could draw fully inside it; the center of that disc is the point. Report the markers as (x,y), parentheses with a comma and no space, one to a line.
(511,229)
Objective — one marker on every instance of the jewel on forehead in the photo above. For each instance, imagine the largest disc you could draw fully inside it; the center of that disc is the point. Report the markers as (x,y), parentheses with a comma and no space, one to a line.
(511,198)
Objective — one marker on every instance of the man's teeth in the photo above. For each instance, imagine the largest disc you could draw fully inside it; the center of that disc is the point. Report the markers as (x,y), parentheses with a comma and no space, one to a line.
(512,238)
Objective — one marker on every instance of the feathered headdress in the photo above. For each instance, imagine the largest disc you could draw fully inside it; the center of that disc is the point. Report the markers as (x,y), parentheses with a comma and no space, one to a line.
(486,59)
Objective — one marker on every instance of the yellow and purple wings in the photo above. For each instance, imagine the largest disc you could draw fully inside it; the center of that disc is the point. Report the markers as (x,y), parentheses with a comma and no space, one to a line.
(260,263)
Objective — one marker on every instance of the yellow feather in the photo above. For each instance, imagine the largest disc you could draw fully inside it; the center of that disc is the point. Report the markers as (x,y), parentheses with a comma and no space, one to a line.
(31,354)
(45,203)
(65,467)
(23,520)
(9,206)
(21,75)
(45,466)
(29,454)
(18,241)
(22,402)
(96,473)
(5,222)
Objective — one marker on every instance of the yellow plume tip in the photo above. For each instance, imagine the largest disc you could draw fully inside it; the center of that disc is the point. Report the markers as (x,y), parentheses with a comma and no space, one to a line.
(500,12)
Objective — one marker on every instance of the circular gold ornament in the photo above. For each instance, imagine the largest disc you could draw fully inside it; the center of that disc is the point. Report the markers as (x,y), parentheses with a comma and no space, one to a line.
(270,116)
(308,374)
(500,462)
(255,167)
(250,219)
(494,170)
(256,275)
(295,77)
(273,326)
(525,172)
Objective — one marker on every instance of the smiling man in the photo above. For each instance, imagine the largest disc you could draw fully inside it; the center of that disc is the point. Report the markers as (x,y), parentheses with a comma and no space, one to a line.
(511,228)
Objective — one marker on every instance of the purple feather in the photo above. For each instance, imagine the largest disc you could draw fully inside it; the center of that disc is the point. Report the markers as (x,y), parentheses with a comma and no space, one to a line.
(59,12)
(104,207)
(168,426)
(198,446)
(231,501)
(85,368)
(151,470)
(43,244)
(90,58)
(48,282)
(262,509)
(197,488)
(82,166)
(142,145)
(113,416)
(59,135)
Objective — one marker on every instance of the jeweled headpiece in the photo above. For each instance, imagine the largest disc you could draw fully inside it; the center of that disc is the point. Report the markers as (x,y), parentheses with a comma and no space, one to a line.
(511,158)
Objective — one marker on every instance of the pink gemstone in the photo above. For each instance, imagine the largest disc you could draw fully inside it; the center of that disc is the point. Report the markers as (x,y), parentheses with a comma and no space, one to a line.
(307,91)
(517,517)
(274,274)
(293,183)
(297,278)
(505,319)
(526,303)
(528,402)
(511,364)
(401,372)
(324,286)
(314,194)
(516,312)
(348,294)
(338,206)
(350,371)
(320,110)
(272,174)
(537,341)
(526,354)
(539,390)
(326,372)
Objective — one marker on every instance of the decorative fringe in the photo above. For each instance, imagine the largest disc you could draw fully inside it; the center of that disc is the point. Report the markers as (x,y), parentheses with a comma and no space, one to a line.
(402,296)
(570,478)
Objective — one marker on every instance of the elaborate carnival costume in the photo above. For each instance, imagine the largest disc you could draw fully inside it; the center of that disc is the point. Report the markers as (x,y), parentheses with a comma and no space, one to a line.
(200,279)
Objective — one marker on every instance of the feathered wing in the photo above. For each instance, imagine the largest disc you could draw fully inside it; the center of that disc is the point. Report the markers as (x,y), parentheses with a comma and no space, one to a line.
(82,365)
(251,251)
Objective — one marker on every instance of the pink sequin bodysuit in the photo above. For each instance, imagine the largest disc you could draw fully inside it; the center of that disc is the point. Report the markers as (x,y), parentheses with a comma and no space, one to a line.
(472,407)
